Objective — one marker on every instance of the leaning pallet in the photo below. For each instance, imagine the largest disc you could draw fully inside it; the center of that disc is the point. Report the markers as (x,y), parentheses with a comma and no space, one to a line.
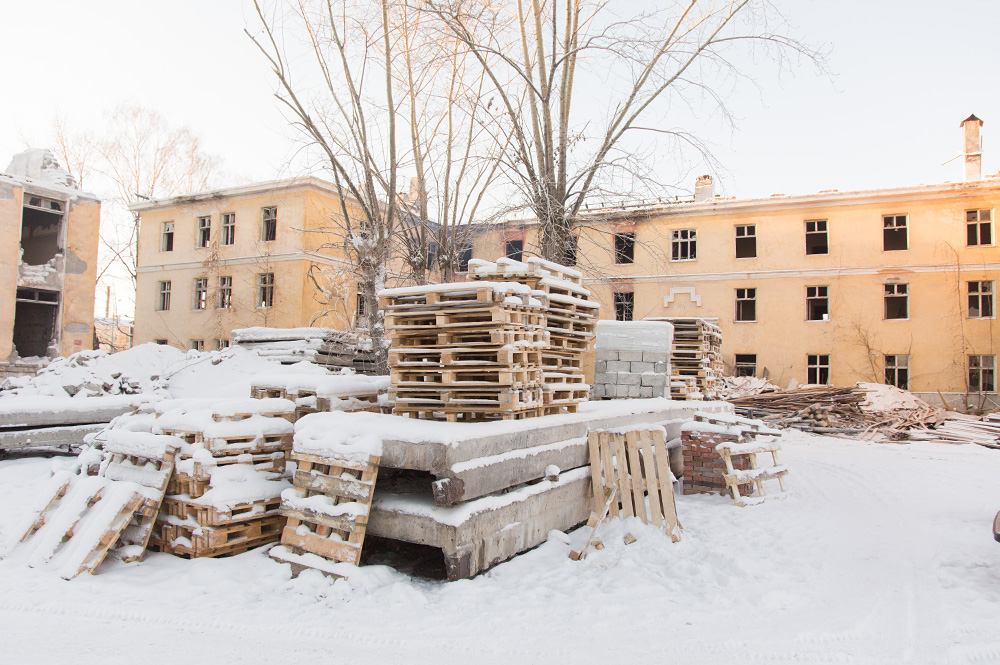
(755,474)
(84,517)
(570,319)
(630,473)
(465,351)
(327,512)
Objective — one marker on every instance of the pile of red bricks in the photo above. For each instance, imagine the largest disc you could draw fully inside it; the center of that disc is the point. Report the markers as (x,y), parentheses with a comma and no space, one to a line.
(704,468)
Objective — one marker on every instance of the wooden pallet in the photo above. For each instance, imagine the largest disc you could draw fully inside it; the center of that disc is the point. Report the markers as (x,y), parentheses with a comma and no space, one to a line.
(463,294)
(247,445)
(485,337)
(465,318)
(480,399)
(502,356)
(332,536)
(635,464)
(755,474)
(473,414)
(464,376)
(212,542)
(209,515)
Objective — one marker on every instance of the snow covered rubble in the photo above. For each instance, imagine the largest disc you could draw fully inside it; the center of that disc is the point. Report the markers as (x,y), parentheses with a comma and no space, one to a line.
(880,554)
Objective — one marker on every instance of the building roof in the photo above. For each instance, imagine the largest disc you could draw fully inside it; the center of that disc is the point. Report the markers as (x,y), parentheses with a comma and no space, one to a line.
(255,189)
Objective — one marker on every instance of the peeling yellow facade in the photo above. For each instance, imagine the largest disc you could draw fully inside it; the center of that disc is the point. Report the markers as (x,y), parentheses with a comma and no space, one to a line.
(936,268)
(305,251)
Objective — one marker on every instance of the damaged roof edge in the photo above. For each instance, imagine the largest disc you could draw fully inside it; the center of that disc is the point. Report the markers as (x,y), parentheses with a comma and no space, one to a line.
(48,189)
(271,186)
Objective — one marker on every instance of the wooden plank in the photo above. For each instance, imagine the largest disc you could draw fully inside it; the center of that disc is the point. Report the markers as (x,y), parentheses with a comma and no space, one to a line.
(330,485)
(596,473)
(40,520)
(670,520)
(593,523)
(608,480)
(96,556)
(324,547)
(621,474)
(345,523)
(635,469)
(652,486)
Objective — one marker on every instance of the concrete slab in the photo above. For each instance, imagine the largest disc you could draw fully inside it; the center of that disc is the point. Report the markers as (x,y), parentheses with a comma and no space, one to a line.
(47,437)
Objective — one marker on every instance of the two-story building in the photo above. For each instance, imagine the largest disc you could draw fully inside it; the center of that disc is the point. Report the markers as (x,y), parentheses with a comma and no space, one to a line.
(267,254)
(890,285)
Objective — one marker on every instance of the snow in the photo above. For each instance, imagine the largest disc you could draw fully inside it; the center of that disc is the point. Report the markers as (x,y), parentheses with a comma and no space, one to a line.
(457,287)
(324,505)
(344,436)
(141,444)
(329,386)
(881,397)
(880,554)
(635,336)
(236,484)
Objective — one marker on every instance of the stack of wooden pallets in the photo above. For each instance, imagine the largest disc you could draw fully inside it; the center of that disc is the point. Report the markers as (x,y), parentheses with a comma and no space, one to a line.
(465,351)
(224,495)
(318,393)
(695,359)
(570,319)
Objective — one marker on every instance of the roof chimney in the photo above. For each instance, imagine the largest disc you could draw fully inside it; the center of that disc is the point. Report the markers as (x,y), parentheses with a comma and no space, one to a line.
(704,188)
(414,190)
(972,148)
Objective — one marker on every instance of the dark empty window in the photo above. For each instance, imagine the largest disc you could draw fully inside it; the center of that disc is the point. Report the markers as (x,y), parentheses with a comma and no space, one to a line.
(817,303)
(981,300)
(268,223)
(897,301)
(746,241)
(897,371)
(979,227)
(683,245)
(624,248)
(818,369)
(161,342)
(624,306)
(204,231)
(167,237)
(746,364)
(197,345)
(746,304)
(265,289)
(229,228)
(200,293)
(894,233)
(982,374)
(817,241)
(360,309)
(464,258)
(514,249)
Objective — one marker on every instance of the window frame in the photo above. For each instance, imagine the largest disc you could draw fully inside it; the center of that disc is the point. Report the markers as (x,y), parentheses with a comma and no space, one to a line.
(227,237)
(894,370)
(815,366)
(268,222)
(980,224)
(678,241)
(224,299)
(895,217)
(624,305)
(167,237)
(818,297)
(624,248)
(222,343)
(981,371)
(749,295)
(987,296)
(748,235)
(265,290)
(203,233)
(163,289)
(816,232)
(513,249)
(196,344)
(464,257)
(904,297)
(199,292)
(739,367)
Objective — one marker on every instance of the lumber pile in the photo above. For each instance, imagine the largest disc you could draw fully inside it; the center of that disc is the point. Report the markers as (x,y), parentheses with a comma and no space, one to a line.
(985,432)
(570,319)
(334,349)
(695,358)
(465,351)
(225,493)
(818,408)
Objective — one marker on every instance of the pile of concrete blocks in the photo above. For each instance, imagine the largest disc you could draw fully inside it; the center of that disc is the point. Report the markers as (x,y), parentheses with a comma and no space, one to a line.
(632,359)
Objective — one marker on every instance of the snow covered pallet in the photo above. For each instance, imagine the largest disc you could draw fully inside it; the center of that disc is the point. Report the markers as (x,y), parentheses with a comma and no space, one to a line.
(633,467)
(756,475)
(193,542)
(327,513)
(83,518)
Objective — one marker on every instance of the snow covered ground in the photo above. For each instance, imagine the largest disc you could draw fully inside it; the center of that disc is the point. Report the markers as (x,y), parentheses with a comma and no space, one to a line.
(882,553)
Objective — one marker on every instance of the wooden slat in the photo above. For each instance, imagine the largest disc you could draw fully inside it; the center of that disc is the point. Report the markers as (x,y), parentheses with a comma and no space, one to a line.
(596,472)
(652,486)
(604,441)
(670,519)
(635,469)
(621,473)
(323,484)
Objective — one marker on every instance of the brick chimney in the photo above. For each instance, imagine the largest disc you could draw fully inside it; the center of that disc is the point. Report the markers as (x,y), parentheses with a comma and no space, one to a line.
(704,188)
(972,148)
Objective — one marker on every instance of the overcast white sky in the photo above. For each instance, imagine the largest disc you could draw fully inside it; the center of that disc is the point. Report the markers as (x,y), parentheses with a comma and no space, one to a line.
(905,74)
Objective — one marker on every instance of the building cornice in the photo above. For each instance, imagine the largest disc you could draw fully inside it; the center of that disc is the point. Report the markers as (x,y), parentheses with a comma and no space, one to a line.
(311,256)
(243,191)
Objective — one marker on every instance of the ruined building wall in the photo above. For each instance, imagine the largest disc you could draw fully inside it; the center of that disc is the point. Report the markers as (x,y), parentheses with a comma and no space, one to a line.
(10,230)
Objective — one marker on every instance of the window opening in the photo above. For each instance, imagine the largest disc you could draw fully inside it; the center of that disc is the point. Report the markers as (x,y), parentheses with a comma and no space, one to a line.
(981,300)
(514,249)
(818,369)
(35,316)
(204,231)
(746,364)
(982,374)
(897,371)
(817,303)
(163,296)
(979,227)
(225,292)
(197,345)
(200,293)
(894,233)
(683,245)
(265,289)
(41,231)
(464,258)
(746,241)
(268,223)
(167,237)
(624,306)
(221,344)
(746,304)
(817,241)
(624,248)
(229,228)
(896,301)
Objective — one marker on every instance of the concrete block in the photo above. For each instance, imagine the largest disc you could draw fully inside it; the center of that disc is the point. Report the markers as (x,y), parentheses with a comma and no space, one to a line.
(600,366)
(630,355)
(617,366)
(597,390)
(655,357)
(633,391)
(661,368)
(621,390)
(629,379)
(604,378)
(606,354)
(653,380)
(645,391)
(640,367)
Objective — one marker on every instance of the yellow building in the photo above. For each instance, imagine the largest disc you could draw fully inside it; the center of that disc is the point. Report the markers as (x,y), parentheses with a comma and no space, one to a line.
(48,266)
(267,254)
(890,285)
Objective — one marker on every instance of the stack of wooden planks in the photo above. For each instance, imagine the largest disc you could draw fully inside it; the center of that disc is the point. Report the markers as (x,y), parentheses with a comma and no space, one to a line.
(985,432)
(465,351)
(335,349)
(327,512)
(570,320)
(818,408)
(695,359)
(224,495)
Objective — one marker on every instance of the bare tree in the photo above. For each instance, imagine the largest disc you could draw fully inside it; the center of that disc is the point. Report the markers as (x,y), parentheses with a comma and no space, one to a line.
(538,53)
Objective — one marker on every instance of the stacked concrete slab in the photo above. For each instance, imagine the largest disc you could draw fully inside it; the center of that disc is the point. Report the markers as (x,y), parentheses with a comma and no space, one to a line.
(632,360)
